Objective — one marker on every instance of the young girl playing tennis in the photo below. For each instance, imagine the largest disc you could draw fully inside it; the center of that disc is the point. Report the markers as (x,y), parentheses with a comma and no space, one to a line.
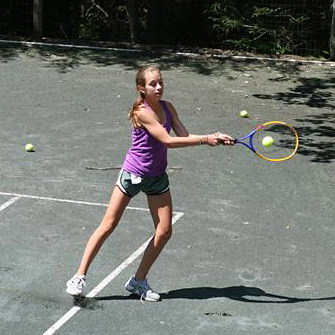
(144,170)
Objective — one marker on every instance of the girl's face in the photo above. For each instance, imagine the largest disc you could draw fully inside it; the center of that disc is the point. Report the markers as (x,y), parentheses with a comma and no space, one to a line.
(154,87)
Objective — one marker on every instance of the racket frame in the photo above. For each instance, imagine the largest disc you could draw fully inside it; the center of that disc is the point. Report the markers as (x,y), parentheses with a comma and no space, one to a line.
(251,147)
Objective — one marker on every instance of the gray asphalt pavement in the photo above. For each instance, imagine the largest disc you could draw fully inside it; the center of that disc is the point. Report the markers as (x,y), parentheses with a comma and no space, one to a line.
(253,245)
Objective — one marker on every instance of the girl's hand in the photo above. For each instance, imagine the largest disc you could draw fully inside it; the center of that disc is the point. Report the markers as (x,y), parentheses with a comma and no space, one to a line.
(225,139)
(212,140)
(217,139)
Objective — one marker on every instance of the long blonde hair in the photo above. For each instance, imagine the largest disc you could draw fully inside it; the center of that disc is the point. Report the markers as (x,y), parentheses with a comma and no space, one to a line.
(140,80)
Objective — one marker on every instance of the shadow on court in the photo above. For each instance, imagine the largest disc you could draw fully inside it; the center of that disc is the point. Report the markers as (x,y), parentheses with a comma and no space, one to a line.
(317,137)
(237,293)
(67,59)
(316,131)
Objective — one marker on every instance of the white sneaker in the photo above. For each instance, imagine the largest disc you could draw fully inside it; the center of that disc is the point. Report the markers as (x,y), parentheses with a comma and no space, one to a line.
(142,289)
(75,286)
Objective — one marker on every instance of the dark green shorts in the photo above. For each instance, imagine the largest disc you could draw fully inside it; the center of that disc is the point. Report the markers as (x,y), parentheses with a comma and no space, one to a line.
(131,185)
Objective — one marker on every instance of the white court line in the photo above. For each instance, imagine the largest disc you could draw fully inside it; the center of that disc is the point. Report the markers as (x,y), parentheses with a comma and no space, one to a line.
(68,201)
(9,202)
(185,54)
(75,46)
(74,310)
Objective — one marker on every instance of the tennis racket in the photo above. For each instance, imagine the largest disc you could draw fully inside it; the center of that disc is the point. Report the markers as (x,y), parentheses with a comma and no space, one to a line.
(273,141)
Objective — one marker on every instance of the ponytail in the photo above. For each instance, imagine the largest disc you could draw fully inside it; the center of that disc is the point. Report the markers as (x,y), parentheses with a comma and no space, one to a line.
(132,116)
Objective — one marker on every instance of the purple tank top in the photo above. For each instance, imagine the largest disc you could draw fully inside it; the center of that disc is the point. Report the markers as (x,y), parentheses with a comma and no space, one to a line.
(147,157)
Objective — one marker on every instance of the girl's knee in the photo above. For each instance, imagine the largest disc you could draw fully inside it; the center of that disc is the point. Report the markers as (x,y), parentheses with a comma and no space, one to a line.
(107,227)
(164,234)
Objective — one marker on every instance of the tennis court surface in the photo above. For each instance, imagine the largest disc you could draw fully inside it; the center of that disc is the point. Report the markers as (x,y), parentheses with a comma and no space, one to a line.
(253,244)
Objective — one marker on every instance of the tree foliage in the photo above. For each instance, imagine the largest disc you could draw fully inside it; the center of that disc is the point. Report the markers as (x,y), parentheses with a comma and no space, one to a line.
(267,26)
(332,33)
(270,26)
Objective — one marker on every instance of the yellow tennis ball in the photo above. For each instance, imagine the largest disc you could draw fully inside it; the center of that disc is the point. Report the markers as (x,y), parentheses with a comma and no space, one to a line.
(30,147)
(267,141)
(244,113)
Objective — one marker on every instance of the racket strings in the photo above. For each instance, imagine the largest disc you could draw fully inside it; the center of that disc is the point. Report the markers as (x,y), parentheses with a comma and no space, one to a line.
(285,141)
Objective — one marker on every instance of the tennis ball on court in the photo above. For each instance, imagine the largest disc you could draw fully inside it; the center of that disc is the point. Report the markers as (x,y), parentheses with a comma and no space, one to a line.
(244,113)
(30,147)
(267,141)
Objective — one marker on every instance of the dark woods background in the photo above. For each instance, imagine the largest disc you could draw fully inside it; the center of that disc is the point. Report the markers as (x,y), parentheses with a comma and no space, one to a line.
(301,27)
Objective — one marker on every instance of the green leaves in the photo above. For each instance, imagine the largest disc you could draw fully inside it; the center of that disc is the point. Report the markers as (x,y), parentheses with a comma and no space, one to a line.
(269,28)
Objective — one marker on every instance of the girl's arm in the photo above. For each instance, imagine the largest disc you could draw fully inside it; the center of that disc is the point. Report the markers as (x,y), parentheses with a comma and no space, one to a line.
(181,130)
(177,126)
(147,119)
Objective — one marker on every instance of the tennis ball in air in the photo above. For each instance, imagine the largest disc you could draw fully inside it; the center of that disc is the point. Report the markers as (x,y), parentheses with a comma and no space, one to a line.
(30,147)
(267,141)
(244,113)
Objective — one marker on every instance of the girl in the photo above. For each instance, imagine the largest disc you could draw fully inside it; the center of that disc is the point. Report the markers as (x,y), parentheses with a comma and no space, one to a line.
(144,170)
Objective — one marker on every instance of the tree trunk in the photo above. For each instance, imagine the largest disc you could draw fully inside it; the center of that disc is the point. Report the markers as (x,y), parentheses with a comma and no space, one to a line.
(134,25)
(332,34)
(38,18)
(156,25)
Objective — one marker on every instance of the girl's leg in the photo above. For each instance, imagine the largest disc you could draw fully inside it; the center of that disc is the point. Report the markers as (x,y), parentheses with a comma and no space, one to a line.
(161,212)
(117,204)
